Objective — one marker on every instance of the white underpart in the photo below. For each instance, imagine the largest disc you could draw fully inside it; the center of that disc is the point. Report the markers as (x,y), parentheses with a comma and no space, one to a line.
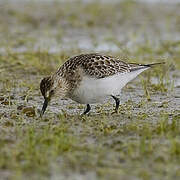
(93,90)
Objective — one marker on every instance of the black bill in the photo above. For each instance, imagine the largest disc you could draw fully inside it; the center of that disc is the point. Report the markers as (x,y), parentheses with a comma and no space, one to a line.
(44,106)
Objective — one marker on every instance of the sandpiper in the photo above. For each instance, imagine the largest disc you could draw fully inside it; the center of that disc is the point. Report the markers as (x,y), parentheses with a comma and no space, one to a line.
(90,78)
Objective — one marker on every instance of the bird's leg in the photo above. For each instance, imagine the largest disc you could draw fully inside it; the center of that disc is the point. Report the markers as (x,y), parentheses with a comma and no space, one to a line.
(88,108)
(117,103)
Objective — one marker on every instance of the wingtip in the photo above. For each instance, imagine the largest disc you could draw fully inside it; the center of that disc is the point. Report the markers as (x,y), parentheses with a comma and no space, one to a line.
(154,64)
(145,66)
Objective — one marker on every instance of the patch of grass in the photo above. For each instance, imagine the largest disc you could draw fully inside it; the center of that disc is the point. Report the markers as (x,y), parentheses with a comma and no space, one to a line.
(35,148)
(141,142)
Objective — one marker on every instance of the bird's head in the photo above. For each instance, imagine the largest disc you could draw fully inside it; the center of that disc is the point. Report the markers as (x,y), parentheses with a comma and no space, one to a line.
(51,87)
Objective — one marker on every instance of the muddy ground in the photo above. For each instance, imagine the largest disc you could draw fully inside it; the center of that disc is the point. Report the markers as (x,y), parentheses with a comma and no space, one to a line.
(142,141)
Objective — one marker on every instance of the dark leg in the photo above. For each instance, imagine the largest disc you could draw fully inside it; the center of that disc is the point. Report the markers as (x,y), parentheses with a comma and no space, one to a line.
(88,108)
(117,103)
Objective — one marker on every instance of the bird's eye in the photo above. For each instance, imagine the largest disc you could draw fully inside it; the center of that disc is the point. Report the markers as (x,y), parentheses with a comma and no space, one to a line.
(52,92)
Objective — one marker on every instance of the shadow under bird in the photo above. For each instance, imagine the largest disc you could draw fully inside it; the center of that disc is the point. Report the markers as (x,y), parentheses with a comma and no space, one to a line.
(90,78)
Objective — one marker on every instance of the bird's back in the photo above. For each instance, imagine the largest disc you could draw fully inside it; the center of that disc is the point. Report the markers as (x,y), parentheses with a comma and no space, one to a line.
(95,65)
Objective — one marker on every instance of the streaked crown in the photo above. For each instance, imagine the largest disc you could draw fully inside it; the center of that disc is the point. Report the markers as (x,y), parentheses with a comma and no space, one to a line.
(46,85)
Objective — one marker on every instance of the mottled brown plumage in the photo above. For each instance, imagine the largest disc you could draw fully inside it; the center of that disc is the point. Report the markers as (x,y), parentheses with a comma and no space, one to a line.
(87,78)
(95,65)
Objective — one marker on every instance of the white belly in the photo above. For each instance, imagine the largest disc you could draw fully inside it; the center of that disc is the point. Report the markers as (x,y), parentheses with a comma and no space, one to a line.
(93,90)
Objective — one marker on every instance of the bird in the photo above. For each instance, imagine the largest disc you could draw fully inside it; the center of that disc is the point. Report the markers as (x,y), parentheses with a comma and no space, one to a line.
(90,78)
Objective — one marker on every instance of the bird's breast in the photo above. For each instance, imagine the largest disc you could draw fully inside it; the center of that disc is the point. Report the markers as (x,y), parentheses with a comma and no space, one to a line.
(93,90)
